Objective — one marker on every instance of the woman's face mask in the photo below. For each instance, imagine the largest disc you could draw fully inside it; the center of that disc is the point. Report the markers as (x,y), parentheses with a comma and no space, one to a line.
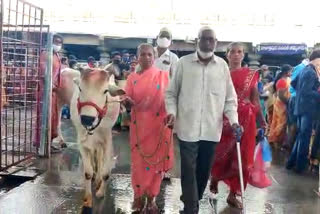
(56,48)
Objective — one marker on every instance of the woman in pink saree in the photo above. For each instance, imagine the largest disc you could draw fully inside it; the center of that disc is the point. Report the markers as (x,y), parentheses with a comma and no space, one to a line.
(150,140)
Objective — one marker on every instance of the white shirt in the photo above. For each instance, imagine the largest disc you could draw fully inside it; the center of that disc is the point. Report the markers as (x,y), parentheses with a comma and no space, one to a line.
(198,96)
(167,61)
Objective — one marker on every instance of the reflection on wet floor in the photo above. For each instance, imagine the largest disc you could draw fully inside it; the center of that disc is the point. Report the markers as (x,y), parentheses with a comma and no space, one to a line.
(59,189)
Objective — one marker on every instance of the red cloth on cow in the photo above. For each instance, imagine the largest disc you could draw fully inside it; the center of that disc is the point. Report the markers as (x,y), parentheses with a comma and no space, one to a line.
(147,131)
(225,165)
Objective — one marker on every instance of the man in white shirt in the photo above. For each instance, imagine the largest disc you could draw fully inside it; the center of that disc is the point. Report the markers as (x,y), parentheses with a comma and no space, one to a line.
(199,93)
(165,59)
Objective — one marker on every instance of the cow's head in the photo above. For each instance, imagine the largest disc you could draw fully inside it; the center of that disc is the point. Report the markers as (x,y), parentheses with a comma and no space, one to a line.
(95,86)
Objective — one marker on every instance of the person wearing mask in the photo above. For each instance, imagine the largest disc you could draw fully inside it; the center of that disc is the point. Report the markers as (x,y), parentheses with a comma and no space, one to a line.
(199,94)
(56,89)
(225,167)
(307,102)
(114,67)
(150,140)
(278,126)
(166,60)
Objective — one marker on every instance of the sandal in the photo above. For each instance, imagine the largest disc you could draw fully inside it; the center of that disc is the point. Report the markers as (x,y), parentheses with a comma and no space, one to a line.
(234,202)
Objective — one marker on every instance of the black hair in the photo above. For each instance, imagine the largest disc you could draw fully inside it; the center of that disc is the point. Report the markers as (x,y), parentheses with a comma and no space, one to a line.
(55,36)
(72,62)
(285,69)
(314,55)
(64,60)
(91,59)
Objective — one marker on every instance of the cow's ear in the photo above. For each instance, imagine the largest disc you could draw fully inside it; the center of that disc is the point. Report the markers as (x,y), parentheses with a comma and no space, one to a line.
(115,90)
(112,80)
(76,81)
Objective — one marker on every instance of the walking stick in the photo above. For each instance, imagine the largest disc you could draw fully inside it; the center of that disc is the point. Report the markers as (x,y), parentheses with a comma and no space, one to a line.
(238,136)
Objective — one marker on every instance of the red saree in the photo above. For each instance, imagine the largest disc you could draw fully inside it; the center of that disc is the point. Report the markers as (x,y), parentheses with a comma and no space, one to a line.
(225,165)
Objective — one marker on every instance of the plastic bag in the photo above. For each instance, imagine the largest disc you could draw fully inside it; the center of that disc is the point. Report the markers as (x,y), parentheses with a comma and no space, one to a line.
(266,151)
(258,174)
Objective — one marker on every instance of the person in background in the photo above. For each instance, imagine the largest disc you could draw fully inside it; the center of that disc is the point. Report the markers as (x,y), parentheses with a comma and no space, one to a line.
(132,57)
(307,86)
(292,119)
(125,61)
(278,127)
(114,66)
(166,60)
(56,89)
(266,73)
(199,93)
(64,63)
(73,64)
(91,62)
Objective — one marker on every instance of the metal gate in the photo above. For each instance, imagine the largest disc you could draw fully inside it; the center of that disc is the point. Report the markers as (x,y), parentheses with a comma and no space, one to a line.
(21,34)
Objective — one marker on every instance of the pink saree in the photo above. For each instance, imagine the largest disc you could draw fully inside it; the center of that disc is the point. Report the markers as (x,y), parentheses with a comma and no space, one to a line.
(150,141)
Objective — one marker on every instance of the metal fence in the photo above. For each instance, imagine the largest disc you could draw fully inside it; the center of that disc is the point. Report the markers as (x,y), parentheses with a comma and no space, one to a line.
(21,35)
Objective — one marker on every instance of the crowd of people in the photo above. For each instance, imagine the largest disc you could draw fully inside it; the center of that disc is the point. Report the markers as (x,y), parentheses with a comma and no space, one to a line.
(209,104)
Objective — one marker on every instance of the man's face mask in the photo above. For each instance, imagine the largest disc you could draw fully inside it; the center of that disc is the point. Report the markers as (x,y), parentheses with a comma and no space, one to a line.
(163,42)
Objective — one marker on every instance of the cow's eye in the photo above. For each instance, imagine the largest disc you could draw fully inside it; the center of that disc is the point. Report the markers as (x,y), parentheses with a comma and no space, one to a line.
(105,91)
(80,89)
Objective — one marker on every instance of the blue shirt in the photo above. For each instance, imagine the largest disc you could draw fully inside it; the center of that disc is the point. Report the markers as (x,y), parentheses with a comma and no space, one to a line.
(294,74)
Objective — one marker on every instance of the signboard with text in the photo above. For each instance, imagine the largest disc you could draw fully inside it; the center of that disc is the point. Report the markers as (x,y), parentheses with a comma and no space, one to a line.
(281,49)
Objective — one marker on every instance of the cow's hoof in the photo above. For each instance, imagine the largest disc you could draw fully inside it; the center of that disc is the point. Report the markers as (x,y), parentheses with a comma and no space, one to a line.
(63,145)
(100,193)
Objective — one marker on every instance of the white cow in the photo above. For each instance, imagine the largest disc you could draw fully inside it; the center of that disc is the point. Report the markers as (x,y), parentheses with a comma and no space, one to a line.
(94,110)
(67,77)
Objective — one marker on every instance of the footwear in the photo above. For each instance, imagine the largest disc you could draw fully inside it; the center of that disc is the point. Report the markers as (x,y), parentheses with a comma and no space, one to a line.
(234,202)
(138,204)
(214,186)
(289,166)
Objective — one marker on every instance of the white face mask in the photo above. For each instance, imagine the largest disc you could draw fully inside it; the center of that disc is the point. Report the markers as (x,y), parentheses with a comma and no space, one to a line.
(205,55)
(56,48)
(163,42)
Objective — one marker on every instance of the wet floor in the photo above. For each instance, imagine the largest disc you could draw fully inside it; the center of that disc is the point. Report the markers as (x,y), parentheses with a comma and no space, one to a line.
(59,189)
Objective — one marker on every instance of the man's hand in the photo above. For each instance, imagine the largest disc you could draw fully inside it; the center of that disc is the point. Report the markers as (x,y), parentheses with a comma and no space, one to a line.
(169,121)
(237,131)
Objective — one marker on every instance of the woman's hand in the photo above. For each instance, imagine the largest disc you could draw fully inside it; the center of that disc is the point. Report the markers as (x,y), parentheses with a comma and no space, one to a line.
(127,101)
